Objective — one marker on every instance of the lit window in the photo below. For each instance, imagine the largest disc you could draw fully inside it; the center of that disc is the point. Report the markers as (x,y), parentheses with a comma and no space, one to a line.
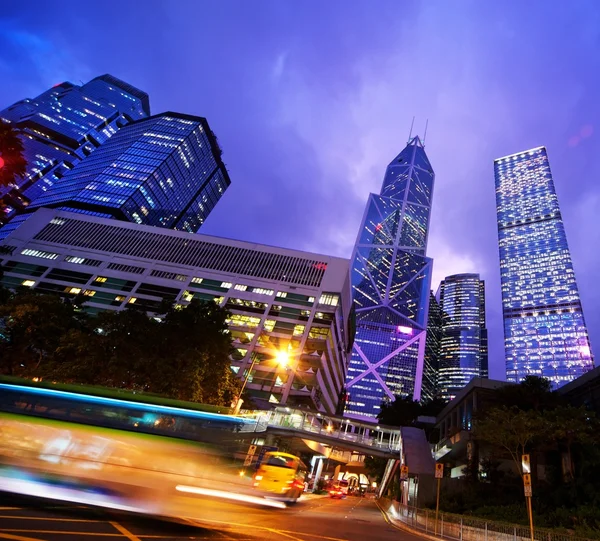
(262,291)
(132,300)
(73,259)
(89,292)
(226,284)
(240,287)
(120,298)
(28,283)
(269,325)
(74,290)
(298,330)
(218,300)
(39,253)
(282,294)
(311,299)
(328,298)
(196,280)
(100,279)
(187,296)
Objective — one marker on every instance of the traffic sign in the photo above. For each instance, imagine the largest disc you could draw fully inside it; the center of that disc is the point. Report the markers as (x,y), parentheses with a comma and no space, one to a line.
(526,464)
(439,471)
(249,455)
(528,491)
(404,472)
(527,479)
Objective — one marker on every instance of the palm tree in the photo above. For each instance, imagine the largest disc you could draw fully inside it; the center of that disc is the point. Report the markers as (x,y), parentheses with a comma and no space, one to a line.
(12,161)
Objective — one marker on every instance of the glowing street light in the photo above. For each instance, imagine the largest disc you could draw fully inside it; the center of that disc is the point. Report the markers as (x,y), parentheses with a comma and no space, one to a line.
(282,358)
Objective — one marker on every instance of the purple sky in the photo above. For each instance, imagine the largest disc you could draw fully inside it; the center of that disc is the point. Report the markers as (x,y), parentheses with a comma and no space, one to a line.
(311,99)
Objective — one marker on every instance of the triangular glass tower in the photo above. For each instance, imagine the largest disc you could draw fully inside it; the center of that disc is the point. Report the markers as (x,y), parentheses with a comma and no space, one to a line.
(391,279)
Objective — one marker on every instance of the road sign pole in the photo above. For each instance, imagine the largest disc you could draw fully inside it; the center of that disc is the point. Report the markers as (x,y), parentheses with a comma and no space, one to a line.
(530,511)
(437,504)
(526,465)
(439,473)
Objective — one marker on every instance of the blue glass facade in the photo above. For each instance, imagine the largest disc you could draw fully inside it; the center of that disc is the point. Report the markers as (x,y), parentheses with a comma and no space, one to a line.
(544,328)
(433,340)
(390,280)
(165,171)
(65,124)
(464,343)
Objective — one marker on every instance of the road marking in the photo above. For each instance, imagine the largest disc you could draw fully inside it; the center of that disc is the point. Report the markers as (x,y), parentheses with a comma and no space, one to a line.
(284,532)
(124,531)
(17,537)
(21,517)
(58,532)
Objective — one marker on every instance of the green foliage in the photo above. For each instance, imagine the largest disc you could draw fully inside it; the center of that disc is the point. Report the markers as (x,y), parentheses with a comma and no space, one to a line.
(184,356)
(375,467)
(402,411)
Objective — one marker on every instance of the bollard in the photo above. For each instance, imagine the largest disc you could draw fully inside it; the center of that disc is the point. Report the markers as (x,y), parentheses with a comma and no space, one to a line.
(426,514)
(461,529)
(485,532)
(442,527)
(515,534)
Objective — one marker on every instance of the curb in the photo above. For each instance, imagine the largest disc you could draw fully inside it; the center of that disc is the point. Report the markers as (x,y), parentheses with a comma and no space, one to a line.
(399,525)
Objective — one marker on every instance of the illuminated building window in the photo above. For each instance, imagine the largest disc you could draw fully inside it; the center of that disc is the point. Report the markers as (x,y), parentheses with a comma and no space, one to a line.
(120,298)
(298,330)
(132,300)
(226,285)
(100,279)
(269,325)
(329,298)
(187,296)
(196,280)
(241,287)
(74,290)
(28,283)
(89,292)
(281,294)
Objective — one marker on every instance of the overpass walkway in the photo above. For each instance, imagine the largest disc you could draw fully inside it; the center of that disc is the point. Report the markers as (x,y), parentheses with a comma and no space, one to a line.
(338,432)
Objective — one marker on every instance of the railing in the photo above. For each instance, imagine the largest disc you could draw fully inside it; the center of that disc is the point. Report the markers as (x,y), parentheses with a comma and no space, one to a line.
(386,439)
(467,528)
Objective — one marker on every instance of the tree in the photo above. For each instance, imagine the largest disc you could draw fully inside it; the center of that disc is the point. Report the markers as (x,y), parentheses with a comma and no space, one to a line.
(403,411)
(532,393)
(511,429)
(32,327)
(569,425)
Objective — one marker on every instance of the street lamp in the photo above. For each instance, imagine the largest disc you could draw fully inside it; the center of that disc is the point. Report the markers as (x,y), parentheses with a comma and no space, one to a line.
(282,358)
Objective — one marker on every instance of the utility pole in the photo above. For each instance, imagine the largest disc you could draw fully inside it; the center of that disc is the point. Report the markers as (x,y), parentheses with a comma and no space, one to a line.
(439,473)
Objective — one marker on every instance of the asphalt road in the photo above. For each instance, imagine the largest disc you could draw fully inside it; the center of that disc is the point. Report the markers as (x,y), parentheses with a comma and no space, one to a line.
(314,518)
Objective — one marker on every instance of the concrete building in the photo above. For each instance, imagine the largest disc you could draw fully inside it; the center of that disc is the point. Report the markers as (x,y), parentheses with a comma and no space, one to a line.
(279,299)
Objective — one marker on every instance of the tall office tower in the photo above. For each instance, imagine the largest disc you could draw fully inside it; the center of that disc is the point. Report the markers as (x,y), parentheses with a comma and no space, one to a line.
(544,328)
(165,170)
(433,340)
(64,125)
(391,279)
(464,344)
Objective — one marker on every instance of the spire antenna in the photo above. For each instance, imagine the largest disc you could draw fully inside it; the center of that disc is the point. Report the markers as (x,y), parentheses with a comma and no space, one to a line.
(411,129)
(425,134)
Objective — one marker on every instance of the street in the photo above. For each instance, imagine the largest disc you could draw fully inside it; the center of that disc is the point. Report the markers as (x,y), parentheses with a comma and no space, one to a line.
(314,518)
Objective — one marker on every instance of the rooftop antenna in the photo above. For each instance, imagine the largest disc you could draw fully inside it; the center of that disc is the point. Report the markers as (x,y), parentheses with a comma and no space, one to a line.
(411,128)
(425,134)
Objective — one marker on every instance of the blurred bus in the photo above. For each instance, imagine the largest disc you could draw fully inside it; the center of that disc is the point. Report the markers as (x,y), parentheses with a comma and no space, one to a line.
(282,475)
(121,454)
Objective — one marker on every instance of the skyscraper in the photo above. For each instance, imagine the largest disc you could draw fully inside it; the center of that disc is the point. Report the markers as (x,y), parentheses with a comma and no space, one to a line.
(433,340)
(64,125)
(391,279)
(464,345)
(165,170)
(544,328)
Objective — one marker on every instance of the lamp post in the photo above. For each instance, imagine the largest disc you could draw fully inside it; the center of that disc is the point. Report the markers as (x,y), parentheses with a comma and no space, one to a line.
(282,358)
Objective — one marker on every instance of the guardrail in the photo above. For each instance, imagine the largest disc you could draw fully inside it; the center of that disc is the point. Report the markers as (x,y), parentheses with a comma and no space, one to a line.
(467,528)
(383,438)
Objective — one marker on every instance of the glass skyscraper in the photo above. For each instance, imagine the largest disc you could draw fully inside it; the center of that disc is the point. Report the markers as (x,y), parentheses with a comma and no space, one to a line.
(464,343)
(165,170)
(391,280)
(433,340)
(544,328)
(62,126)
